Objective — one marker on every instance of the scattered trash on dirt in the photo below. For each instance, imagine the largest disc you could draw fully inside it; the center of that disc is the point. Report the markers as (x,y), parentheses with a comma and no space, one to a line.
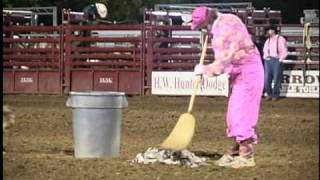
(183,158)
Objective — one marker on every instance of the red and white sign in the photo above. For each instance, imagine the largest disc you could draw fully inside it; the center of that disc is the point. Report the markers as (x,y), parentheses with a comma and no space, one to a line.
(183,83)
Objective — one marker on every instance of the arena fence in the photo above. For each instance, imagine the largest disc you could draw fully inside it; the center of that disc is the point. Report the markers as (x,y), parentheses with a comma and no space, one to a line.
(296,48)
(32,59)
(60,59)
(104,58)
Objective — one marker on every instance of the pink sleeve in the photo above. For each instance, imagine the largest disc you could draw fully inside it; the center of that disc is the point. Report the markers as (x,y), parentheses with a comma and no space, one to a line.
(265,49)
(283,51)
(230,37)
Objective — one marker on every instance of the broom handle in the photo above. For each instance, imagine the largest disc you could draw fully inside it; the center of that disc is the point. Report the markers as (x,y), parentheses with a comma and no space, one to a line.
(199,78)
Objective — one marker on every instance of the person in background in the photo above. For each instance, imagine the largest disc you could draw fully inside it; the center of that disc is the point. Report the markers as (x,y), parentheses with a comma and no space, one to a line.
(94,11)
(236,55)
(274,53)
(91,14)
(259,42)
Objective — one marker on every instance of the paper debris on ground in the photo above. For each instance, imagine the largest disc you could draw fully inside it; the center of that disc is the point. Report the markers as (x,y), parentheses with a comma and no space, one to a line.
(184,158)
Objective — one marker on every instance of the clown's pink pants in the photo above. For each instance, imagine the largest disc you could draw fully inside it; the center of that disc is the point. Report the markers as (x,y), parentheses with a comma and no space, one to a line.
(247,79)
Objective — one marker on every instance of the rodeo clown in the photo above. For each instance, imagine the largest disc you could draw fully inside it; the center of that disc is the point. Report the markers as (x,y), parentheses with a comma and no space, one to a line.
(236,55)
(91,12)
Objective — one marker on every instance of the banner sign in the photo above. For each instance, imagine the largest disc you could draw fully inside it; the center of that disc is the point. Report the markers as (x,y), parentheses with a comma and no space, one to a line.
(292,84)
(183,83)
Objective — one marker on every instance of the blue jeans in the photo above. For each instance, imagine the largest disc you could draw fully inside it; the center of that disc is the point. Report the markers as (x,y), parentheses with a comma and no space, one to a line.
(273,70)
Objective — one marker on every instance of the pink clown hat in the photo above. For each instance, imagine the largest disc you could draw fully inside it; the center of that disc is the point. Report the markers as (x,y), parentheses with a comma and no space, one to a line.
(199,16)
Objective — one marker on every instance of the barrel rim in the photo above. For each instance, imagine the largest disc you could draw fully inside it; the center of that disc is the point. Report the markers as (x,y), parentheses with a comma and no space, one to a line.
(97,93)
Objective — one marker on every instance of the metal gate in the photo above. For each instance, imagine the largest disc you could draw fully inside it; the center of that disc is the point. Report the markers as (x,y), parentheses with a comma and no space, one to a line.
(32,59)
(57,59)
(104,58)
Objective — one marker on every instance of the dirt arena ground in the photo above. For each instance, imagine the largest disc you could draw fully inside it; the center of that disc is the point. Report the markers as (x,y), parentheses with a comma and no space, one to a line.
(39,146)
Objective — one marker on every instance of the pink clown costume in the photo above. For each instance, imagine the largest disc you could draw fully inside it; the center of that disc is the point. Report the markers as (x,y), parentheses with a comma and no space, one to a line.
(236,54)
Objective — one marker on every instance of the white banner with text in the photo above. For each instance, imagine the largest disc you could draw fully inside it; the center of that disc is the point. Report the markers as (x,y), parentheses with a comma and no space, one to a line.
(183,83)
(293,84)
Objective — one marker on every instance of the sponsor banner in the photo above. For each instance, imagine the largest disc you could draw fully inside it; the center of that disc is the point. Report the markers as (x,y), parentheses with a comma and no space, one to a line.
(292,84)
(183,83)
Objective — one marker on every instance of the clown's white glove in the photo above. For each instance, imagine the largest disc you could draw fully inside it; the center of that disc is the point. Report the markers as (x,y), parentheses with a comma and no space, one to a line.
(207,70)
(199,69)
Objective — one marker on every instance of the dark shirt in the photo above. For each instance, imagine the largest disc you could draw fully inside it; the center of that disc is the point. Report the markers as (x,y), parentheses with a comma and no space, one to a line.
(90,12)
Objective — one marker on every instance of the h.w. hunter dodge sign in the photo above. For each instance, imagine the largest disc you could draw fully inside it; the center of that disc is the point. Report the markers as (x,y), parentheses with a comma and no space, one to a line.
(183,83)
